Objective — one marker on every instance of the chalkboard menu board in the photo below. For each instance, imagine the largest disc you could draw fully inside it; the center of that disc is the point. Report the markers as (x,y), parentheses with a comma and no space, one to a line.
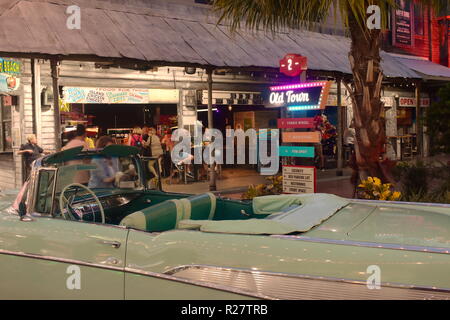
(402,28)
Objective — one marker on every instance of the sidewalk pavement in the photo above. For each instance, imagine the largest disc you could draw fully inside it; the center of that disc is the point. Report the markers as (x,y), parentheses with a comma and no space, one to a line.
(236,181)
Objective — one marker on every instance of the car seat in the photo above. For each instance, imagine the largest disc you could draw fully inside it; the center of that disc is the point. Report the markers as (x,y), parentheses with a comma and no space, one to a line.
(166,215)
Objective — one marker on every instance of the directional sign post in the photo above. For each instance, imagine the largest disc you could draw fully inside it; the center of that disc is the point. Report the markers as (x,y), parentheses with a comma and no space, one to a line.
(289,123)
(301,152)
(299,179)
(301,137)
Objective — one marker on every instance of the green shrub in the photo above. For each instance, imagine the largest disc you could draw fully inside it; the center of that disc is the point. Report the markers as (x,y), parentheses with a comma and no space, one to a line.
(413,177)
(424,183)
(437,122)
(274,187)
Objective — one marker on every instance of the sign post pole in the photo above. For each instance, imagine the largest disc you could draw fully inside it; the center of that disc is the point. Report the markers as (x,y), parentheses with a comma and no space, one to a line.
(212,170)
(418,121)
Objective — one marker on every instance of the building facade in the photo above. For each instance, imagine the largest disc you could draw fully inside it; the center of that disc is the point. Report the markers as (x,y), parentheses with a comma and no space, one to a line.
(162,80)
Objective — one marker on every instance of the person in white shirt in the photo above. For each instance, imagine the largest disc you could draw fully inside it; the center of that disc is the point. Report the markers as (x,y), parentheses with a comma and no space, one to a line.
(154,144)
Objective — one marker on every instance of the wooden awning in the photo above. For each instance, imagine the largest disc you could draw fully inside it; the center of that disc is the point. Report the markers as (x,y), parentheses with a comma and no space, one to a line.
(158,33)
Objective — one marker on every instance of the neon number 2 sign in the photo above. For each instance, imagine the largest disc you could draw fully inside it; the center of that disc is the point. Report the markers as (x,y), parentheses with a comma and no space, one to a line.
(293,64)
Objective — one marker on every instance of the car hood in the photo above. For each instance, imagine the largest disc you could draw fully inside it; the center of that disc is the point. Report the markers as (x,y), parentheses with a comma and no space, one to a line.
(425,225)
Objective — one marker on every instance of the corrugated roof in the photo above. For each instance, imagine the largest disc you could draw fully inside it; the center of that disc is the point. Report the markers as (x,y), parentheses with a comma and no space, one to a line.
(423,67)
(164,32)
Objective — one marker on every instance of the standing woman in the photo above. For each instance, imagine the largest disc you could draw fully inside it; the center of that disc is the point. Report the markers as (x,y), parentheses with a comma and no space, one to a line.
(154,143)
(31,151)
(135,139)
(168,145)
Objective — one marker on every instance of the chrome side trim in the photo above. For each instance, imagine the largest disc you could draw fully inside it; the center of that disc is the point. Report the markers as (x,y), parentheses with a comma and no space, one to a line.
(299,286)
(138,272)
(62,260)
(55,183)
(425,204)
(205,284)
(268,285)
(391,246)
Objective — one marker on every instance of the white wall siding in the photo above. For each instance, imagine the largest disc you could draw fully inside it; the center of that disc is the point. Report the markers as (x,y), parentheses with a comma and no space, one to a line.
(7,172)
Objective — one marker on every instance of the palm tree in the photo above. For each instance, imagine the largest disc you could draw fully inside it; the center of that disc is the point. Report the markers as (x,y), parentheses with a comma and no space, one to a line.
(364,55)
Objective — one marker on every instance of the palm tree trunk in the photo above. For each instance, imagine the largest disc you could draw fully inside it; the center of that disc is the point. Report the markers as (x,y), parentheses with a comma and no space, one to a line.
(368,110)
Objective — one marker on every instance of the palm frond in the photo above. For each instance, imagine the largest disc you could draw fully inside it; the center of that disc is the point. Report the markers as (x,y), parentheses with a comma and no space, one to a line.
(272,15)
(275,15)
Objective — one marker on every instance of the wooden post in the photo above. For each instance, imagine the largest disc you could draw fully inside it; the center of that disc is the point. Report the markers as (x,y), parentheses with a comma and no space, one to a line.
(340,129)
(37,104)
(54,64)
(303,77)
(34,94)
(212,176)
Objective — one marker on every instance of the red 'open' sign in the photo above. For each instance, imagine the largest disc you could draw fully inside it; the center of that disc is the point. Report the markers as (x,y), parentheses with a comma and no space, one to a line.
(293,64)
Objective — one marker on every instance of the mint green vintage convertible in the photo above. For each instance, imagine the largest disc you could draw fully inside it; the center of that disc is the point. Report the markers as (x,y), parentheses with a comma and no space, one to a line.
(72,234)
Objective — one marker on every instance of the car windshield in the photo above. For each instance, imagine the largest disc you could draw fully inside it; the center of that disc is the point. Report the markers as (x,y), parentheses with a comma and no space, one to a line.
(100,172)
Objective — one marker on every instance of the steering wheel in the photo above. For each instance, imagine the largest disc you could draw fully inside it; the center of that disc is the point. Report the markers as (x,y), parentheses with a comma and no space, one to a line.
(65,203)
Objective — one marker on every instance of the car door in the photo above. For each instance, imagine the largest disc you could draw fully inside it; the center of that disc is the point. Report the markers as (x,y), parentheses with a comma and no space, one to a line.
(149,255)
(48,258)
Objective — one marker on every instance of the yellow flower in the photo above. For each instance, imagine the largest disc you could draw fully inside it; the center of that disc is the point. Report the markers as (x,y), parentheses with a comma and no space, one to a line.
(259,187)
(385,195)
(377,181)
(396,195)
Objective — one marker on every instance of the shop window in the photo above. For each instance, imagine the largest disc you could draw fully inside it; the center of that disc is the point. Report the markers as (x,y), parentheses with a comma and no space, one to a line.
(418,19)
(7,104)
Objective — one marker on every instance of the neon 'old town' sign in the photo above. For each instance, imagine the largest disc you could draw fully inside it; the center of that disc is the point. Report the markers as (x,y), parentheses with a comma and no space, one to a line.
(303,96)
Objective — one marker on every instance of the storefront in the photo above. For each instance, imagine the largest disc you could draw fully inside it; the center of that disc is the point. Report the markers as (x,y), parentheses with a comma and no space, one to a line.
(237,110)
(115,111)
(405,141)
(316,102)
(245,110)
(113,100)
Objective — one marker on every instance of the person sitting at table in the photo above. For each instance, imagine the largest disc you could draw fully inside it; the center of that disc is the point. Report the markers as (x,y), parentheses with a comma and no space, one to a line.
(181,164)
(105,174)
